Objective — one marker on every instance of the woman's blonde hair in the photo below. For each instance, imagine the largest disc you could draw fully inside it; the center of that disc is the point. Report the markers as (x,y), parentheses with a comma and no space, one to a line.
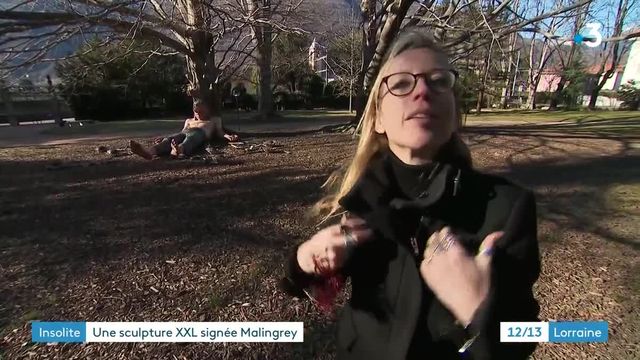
(372,144)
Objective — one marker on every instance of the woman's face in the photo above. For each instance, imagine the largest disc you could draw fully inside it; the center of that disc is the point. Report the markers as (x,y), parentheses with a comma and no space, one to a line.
(423,119)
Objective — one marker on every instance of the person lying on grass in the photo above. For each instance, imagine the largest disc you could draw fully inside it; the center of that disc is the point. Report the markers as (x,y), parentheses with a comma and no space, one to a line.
(197,131)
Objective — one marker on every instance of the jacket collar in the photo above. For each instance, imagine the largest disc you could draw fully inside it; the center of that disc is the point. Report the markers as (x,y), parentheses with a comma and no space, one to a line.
(376,188)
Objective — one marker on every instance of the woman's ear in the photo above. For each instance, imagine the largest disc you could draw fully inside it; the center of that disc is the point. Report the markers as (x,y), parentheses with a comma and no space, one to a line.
(378,126)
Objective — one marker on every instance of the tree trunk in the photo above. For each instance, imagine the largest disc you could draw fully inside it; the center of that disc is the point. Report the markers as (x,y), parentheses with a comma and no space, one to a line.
(5,95)
(479,102)
(531,101)
(263,35)
(292,84)
(485,75)
(202,72)
(557,94)
(594,98)
(397,11)
(360,99)
(263,61)
(614,53)
(374,51)
(368,9)
(508,83)
(555,99)
(506,95)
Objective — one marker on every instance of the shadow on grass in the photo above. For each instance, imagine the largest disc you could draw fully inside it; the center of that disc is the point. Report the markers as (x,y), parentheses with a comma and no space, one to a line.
(586,206)
(56,223)
(623,127)
(60,223)
(72,226)
(571,114)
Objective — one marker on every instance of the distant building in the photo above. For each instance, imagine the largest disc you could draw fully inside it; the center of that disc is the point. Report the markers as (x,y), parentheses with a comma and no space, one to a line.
(549,80)
(627,69)
(632,67)
(318,56)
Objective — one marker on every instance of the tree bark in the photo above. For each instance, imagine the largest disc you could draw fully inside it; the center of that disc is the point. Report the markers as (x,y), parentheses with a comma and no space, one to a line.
(202,72)
(5,95)
(594,97)
(485,75)
(263,62)
(557,94)
(535,72)
(531,100)
(374,51)
(509,82)
(395,14)
(614,54)
(369,29)
(263,35)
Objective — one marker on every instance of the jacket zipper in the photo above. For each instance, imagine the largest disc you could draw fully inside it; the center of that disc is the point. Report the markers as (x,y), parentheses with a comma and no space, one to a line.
(414,245)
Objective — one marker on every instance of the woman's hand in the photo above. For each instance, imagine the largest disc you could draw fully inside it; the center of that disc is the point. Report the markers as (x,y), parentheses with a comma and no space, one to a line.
(459,281)
(329,246)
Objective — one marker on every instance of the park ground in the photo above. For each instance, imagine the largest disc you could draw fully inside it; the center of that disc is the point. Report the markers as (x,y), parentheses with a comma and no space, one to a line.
(87,237)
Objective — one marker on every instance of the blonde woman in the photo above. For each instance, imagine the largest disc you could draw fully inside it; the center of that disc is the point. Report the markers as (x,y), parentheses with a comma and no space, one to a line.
(437,252)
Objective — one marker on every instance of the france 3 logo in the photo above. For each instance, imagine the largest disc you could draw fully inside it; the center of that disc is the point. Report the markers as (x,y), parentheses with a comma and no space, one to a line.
(592,37)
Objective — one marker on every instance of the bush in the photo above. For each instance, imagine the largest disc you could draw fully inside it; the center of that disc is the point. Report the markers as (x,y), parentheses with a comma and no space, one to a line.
(572,92)
(313,85)
(543,97)
(98,83)
(466,90)
(629,93)
(336,102)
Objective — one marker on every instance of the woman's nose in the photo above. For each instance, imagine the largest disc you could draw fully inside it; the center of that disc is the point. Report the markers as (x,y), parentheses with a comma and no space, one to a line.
(421,90)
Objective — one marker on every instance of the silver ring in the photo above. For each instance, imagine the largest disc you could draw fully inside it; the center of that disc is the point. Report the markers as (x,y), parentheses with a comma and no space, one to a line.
(448,241)
(434,252)
(442,246)
(487,252)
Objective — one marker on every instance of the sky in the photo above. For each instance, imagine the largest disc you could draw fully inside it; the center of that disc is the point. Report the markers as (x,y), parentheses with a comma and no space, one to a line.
(600,11)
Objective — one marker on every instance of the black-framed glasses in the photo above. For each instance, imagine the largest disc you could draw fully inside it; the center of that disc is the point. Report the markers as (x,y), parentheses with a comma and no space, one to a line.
(438,80)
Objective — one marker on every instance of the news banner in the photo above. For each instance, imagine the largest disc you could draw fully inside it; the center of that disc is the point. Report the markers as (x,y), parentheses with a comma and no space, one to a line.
(86,332)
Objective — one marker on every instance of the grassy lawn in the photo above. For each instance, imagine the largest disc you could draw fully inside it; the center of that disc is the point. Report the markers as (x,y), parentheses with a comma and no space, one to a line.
(617,122)
(131,240)
(598,124)
(174,125)
(549,116)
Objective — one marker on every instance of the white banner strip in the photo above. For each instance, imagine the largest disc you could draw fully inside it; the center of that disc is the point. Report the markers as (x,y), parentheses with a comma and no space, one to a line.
(195,332)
